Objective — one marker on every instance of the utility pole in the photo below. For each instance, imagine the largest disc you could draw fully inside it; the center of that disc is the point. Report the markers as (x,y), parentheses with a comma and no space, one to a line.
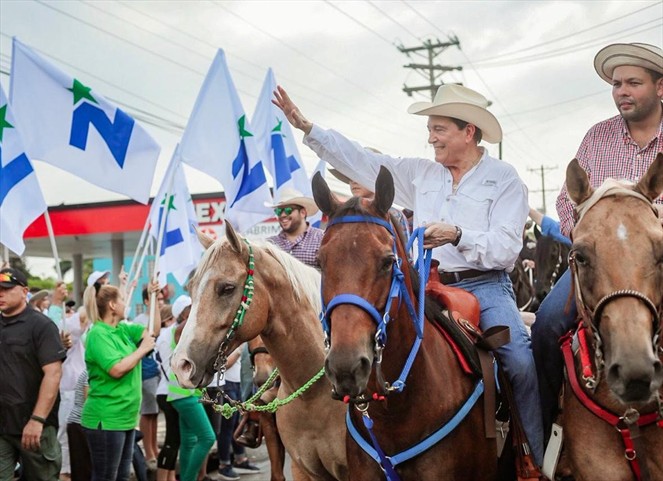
(432,72)
(542,172)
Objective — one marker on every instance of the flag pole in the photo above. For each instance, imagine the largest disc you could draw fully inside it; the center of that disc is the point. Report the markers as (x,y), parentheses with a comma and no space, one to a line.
(5,256)
(157,254)
(139,269)
(138,249)
(54,247)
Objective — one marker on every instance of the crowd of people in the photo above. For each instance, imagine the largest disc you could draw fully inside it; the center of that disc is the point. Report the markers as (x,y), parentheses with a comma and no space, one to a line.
(94,374)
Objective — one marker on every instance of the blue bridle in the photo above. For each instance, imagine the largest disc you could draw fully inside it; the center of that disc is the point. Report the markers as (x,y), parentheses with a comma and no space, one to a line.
(398,291)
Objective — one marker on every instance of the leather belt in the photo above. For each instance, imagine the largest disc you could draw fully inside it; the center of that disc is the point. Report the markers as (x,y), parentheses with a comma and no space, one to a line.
(453,277)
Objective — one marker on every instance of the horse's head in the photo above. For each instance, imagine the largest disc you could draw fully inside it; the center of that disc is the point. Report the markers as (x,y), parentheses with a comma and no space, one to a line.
(218,290)
(357,259)
(617,261)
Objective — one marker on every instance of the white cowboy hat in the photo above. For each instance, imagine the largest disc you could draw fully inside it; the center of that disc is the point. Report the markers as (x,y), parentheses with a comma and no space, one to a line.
(464,104)
(634,54)
(95,276)
(290,196)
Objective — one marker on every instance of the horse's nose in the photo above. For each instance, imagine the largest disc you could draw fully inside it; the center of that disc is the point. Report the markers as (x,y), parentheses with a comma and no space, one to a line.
(349,376)
(636,383)
(184,370)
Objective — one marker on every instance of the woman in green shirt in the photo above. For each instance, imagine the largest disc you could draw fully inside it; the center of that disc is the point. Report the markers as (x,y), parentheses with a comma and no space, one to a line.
(112,355)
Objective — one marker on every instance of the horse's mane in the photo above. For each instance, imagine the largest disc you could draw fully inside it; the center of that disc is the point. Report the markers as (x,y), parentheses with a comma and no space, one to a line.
(304,280)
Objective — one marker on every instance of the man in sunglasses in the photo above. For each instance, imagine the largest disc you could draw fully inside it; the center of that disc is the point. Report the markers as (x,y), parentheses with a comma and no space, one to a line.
(297,237)
(31,355)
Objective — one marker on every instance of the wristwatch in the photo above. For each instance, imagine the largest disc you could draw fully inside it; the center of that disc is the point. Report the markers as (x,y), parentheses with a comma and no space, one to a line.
(459,234)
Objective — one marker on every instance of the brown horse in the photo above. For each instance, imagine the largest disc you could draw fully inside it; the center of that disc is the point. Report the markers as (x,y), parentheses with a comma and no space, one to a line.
(241,290)
(612,397)
(358,255)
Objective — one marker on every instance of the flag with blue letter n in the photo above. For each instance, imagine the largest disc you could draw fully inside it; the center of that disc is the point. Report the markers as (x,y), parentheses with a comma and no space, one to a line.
(219,141)
(66,123)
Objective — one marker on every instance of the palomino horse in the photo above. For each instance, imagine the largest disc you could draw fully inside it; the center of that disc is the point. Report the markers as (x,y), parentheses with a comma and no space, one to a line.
(358,255)
(551,259)
(612,397)
(241,290)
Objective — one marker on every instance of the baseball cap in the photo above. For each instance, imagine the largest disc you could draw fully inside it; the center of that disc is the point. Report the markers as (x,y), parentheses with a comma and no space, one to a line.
(11,278)
(95,276)
(180,304)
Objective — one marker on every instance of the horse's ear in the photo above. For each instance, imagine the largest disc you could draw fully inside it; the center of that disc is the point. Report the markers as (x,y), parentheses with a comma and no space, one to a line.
(384,191)
(537,232)
(325,200)
(205,240)
(577,183)
(233,237)
(651,184)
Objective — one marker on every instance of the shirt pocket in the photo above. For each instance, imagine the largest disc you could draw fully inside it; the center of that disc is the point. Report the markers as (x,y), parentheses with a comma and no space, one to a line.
(18,346)
(474,207)
(427,200)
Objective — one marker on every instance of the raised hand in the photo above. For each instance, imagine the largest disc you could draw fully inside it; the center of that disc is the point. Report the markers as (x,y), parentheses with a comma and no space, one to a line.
(283,101)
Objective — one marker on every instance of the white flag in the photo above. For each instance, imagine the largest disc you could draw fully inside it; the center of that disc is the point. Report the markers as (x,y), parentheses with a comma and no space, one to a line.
(180,248)
(219,141)
(69,125)
(21,199)
(277,143)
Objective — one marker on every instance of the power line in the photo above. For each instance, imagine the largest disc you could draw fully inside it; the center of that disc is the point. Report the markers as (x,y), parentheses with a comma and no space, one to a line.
(290,79)
(561,102)
(374,5)
(567,36)
(572,48)
(384,39)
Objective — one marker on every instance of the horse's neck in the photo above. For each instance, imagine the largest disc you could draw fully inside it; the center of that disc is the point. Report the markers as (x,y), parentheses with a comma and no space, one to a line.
(293,334)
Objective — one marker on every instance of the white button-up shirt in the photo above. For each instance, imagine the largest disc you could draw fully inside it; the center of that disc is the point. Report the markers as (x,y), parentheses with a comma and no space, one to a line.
(490,203)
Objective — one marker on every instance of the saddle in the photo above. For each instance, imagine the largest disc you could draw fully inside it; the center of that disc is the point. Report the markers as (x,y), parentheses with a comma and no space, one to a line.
(464,310)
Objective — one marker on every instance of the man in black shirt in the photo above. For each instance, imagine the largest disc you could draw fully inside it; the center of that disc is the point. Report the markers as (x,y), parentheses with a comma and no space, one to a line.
(31,355)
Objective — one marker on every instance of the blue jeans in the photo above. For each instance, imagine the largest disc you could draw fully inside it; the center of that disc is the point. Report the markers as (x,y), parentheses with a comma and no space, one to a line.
(552,322)
(111,453)
(225,439)
(498,307)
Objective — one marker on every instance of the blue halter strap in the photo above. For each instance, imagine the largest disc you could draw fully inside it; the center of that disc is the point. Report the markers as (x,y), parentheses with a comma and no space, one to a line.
(397,291)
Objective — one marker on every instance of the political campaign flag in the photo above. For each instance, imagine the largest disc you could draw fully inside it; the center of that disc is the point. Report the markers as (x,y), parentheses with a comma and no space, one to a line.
(21,199)
(180,249)
(276,141)
(219,141)
(67,124)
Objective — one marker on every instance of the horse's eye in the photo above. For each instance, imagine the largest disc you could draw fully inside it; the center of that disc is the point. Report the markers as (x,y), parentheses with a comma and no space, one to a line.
(580,259)
(224,289)
(387,262)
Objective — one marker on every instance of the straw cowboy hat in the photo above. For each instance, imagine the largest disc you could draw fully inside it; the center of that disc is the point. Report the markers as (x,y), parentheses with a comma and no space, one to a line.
(38,296)
(464,104)
(633,54)
(290,196)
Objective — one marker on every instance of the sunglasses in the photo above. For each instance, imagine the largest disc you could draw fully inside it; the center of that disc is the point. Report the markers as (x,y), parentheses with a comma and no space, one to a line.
(285,210)
(6,277)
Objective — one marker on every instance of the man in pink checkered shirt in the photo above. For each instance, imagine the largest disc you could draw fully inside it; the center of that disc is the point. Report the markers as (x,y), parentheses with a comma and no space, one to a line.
(622,147)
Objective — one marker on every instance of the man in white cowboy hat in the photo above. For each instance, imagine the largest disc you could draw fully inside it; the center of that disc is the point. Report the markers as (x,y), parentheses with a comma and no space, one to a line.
(474,207)
(622,147)
(297,237)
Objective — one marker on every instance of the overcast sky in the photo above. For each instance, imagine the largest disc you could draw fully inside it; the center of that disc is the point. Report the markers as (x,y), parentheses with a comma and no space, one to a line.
(339,61)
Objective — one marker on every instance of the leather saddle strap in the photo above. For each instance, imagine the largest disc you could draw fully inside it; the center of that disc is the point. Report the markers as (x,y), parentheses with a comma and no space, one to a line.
(493,338)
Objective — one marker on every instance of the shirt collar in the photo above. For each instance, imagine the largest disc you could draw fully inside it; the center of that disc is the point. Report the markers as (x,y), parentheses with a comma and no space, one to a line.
(299,237)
